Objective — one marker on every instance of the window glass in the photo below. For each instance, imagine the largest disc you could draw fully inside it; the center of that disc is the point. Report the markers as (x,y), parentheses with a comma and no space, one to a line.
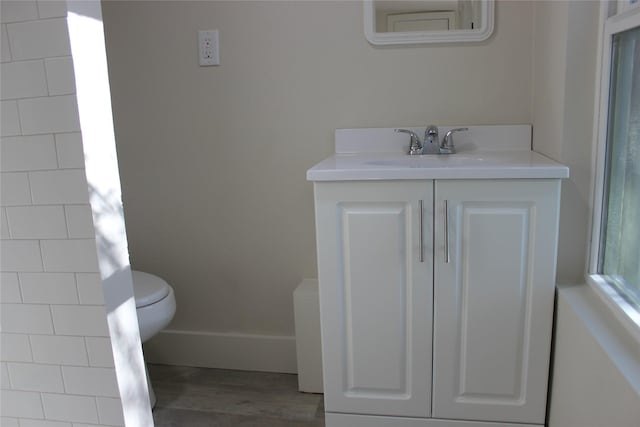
(620,250)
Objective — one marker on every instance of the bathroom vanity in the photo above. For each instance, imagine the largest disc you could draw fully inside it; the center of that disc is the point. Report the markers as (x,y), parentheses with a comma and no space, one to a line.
(436,277)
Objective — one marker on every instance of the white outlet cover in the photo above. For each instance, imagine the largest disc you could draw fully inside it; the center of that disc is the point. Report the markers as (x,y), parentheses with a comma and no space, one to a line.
(208,48)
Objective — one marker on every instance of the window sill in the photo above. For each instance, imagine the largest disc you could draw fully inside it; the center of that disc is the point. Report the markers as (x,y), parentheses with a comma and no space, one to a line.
(624,313)
(614,332)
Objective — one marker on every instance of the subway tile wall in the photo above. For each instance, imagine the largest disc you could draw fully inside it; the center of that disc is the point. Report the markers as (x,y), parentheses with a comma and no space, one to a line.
(56,363)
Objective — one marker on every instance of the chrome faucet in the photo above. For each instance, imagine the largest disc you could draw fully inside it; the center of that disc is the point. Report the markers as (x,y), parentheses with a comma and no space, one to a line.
(431,134)
(415,146)
(447,146)
(431,141)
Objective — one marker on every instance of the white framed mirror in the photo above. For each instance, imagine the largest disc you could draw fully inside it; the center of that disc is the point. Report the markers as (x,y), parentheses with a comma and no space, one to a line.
(400,22)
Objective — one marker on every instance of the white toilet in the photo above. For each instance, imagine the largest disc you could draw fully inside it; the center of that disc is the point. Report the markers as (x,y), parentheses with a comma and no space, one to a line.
(155,306)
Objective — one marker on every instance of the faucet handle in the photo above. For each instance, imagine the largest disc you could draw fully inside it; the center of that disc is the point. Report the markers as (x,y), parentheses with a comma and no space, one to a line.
(447,146)
(415,146)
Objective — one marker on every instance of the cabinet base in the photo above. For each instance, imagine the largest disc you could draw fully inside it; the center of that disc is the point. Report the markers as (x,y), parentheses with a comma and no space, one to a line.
(349,420)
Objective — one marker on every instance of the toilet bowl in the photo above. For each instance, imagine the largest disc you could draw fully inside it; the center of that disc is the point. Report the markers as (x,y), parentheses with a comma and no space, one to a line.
(155,306)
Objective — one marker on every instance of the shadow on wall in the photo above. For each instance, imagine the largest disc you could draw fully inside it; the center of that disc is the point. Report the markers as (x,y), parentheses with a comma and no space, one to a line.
(572,234)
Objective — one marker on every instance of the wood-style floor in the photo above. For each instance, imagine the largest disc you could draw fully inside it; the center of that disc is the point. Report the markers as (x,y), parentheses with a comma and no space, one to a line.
(199,397)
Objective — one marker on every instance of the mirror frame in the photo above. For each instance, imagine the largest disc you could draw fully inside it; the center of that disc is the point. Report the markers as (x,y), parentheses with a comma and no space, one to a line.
(426,37)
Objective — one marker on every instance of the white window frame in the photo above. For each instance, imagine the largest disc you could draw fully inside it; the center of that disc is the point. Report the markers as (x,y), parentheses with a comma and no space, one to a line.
(629,18)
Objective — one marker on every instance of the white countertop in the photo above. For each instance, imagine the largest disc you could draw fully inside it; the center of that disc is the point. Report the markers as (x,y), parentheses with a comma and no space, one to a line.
(485,152)
(476,165)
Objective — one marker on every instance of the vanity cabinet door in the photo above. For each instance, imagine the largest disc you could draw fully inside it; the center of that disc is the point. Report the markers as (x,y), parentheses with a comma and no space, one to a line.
(494,298)
(376,295)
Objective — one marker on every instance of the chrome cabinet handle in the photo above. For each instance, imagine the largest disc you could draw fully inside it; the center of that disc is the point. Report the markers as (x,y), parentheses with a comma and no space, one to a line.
(420,231)
(446,231)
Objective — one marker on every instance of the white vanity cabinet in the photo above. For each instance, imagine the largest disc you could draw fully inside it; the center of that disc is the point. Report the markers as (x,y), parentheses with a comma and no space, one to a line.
(436,300)
(494,295)
(376,296)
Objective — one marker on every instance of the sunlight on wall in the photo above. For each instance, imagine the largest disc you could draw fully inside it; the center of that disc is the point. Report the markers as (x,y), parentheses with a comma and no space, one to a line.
(94,105)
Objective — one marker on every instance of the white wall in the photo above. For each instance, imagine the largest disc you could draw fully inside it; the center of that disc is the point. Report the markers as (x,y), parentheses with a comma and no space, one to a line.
(564,70)
(213,160)
(590,387)
(56,355)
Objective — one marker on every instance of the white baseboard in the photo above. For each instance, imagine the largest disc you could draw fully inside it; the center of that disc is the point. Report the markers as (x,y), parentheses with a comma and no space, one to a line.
(268,353)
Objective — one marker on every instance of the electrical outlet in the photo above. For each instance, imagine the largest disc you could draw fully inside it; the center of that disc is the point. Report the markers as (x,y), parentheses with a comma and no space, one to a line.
(208,48)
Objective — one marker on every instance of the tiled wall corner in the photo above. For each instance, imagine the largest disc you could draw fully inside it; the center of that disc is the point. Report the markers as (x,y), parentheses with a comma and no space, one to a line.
(26,319)
(77,255)
(5,51)
(56,363)
(79,221)
(89,289)
(69,150)
(10,288)
(99,350)
(80,320)
(52,114)
(62,186)
(21,404)
(28,153)
(15,347)
(5,382)
(110,411)
(59,350)
(52,8)
(23,79)
(48,288)
(20,255)
(43,38)
(17,11)
(90,381)
(14,188)
(37,222)
(59,73)
(70,408)
(35,377)
(10,121)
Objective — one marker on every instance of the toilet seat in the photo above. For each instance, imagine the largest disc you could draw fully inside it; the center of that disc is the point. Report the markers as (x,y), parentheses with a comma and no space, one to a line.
(155,303)
(148,289)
